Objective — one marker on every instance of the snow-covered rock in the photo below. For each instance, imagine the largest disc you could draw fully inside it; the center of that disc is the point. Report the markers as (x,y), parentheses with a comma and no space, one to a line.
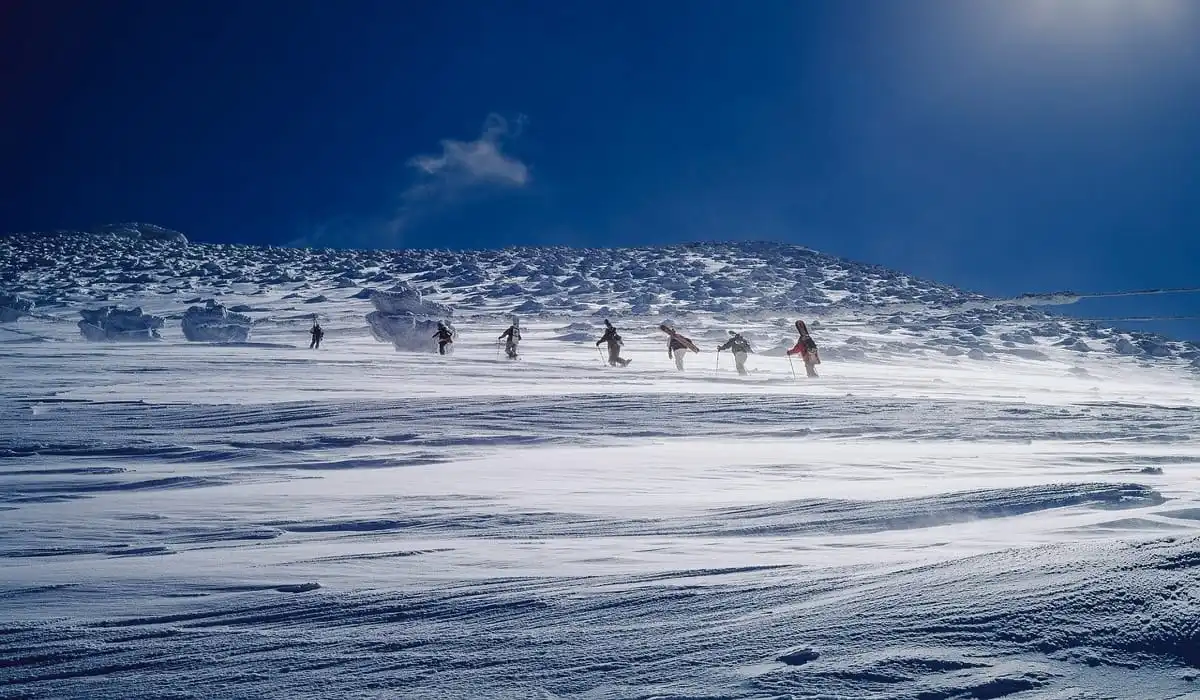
(404,298)
(13,307)
(404,319)
(406,332)
(1123,346)
(1029,354)
(1022,336)
(144,232)
(529,306)
(213,323)
(1154,349)
(113,323)
(843,352)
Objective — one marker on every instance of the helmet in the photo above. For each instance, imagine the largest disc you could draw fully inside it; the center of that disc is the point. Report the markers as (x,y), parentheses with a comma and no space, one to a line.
(607,323)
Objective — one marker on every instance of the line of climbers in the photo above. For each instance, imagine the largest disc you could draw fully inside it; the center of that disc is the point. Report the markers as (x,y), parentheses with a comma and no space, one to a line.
(678,345)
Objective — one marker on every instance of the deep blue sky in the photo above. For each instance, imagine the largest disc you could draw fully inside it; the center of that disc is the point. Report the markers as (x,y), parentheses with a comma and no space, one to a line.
(1002,145)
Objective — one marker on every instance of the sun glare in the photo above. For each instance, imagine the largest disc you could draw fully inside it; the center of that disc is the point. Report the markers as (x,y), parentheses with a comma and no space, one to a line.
(1097,17)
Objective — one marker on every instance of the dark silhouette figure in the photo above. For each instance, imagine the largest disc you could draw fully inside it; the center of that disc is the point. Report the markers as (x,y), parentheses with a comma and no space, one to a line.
(614,345)
(512,337)
(740,347)
(444,336)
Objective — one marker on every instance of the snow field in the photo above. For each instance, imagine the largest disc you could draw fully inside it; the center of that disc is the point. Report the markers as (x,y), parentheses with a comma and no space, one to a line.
(191,520)
(557,528)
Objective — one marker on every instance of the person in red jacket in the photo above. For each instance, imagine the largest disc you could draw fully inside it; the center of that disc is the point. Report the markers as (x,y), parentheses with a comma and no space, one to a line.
(806,348)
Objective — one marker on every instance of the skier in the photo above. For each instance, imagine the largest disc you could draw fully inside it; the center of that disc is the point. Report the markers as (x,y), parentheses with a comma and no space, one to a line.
(677,345)
(317,333)
(614,345)
(444,336)
(513,334)
(740,347)
(806,347)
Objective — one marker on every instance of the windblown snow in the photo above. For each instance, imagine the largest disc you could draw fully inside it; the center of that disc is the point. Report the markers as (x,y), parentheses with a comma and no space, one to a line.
(976,499)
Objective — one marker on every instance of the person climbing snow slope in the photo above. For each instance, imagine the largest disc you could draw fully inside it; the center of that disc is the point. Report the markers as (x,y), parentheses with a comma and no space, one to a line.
(512,337)
(614,345)
(740,347)
(677,345)
(317,333)
(806,347)
(444,336)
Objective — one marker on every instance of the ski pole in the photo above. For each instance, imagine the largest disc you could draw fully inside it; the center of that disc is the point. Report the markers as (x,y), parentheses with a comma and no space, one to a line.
(718,369)
(789,357)
(601,353)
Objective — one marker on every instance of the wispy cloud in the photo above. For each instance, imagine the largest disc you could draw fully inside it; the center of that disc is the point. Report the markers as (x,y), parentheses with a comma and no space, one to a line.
(464,165)
(462,169)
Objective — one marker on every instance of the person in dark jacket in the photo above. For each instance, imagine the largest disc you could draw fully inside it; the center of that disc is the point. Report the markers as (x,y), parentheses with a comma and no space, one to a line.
(806,348)
(614,345)
(740,347)
(511,338)
(317,333)
(677,345)
(444,336)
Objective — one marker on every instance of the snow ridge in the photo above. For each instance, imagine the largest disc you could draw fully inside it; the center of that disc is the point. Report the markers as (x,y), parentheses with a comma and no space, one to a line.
(752,283)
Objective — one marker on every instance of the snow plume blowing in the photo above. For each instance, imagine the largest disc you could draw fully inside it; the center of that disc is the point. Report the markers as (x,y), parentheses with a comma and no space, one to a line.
(462,169)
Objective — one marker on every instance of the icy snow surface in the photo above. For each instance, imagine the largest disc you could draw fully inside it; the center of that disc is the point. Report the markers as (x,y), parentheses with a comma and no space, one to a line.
(258,520)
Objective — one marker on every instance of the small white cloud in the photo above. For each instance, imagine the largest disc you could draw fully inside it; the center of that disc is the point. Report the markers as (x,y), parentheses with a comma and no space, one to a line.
(462,169)
(468,164)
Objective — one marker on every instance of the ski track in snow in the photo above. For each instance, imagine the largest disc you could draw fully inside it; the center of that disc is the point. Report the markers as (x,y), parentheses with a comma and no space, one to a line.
(258,520)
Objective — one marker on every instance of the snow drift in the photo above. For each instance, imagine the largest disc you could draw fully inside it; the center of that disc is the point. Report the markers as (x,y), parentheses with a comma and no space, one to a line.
(213,323)
(113,323)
